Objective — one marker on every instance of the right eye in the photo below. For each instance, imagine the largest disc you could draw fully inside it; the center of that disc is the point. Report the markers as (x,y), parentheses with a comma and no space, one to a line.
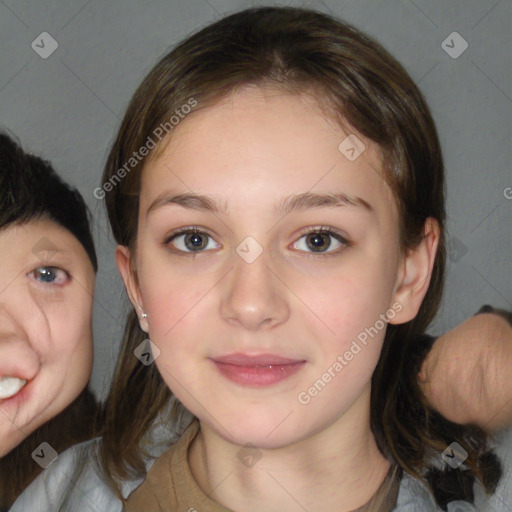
(190,241)
(50,275)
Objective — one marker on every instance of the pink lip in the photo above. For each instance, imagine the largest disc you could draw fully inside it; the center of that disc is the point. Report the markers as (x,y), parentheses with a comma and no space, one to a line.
(259,360)
(16,375)
(18,370)
(256,371)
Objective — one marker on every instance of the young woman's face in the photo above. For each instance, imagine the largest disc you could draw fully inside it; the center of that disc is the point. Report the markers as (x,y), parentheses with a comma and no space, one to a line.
(46,295)
(253,311)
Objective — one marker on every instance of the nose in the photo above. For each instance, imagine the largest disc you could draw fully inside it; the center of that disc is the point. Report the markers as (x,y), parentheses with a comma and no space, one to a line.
(10,316)
(17,355)
(254,297)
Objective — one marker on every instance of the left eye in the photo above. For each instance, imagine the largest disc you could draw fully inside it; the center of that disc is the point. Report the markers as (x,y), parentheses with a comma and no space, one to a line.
(50,275)
(320,241)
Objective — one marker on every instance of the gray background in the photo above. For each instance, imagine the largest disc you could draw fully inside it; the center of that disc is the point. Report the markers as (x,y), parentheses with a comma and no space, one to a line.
(68,107)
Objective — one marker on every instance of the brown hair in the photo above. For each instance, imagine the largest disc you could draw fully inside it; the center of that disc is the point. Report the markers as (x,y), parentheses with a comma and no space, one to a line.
(76,423)
(301,51)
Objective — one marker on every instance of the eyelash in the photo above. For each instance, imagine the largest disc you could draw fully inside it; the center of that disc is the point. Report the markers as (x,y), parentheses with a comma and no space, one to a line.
(325,230)
(54,270)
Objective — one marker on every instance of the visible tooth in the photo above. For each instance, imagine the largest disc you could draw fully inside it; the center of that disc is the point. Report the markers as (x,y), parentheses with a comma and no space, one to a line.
(9,386)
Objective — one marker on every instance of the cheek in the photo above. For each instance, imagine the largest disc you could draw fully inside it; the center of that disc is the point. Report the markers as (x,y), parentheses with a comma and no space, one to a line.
(172,299)
(71,334)
(347,301)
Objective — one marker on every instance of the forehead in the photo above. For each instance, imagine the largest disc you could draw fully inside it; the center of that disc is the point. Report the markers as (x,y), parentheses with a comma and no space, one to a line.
(43,239)
(264,144)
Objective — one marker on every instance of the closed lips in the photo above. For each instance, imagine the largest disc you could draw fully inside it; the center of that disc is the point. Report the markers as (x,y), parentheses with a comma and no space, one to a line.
(263,360)
(257,371)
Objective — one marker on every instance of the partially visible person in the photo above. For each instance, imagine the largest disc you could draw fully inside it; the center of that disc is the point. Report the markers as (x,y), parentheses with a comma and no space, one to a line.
(467,378)
(47,281)
(467,375)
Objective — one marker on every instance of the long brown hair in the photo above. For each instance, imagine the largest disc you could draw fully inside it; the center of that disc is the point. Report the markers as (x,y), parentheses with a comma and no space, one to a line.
(361,85)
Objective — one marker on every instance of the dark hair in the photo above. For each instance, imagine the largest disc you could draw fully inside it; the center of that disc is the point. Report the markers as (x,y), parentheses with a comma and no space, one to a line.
(31,190)
(360,84)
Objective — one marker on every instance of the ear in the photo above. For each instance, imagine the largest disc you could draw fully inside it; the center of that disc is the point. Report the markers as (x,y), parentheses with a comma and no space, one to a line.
(415,272)
(126,268)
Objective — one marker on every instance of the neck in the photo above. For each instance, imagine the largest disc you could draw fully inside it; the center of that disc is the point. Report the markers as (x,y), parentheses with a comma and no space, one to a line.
(338,469)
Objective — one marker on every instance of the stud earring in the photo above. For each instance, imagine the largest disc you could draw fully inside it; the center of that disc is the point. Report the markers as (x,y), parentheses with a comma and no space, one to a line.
(143,315)
(143,320)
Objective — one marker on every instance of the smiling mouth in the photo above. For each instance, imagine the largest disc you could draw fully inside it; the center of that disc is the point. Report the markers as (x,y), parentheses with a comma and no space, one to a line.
(10,386)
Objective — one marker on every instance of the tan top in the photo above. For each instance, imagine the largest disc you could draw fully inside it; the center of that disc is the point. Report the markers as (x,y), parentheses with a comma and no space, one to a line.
(170,486)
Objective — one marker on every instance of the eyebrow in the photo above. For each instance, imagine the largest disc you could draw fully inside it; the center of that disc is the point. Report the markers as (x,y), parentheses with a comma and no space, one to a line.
(67,256)
(295,202)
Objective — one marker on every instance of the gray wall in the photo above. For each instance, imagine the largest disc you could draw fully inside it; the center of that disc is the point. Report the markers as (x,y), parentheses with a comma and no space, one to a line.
(68,107)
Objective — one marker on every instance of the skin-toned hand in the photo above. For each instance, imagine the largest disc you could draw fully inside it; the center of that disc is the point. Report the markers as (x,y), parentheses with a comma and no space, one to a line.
(467,375)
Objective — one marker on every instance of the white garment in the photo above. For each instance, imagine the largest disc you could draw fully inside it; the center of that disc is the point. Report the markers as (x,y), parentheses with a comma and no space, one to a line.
(90,493)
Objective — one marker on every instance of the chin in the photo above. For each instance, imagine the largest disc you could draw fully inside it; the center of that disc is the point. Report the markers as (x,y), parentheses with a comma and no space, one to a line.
(263,432)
